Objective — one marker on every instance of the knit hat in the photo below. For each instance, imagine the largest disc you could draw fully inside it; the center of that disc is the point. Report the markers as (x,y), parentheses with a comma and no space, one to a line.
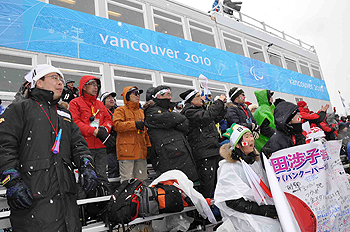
(40,71)
(341,126)
(278,100)
(235,133)
(70,80)
(106,94)
(234,93)
(315,133)
(301,104)
(149,93)
(269,94)
(188,95)
(160,90)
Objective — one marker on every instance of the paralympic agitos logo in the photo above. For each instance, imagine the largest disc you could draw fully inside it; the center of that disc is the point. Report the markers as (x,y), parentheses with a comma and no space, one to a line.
(252,71)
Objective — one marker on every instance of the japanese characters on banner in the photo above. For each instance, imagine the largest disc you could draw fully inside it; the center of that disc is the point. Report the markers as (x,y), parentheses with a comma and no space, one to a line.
(316,187)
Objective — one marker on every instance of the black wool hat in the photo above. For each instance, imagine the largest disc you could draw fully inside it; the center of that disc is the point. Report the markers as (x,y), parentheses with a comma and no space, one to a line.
(278,100)
(159,88)
(188,95)
(149,93)
(234,93)
(341,126)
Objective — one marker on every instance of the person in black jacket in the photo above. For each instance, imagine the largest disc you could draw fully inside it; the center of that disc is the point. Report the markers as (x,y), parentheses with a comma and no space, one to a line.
(204,137)
(288,128)
(239,113)
(167,129)
(37,170)
(108,99)
(69,91)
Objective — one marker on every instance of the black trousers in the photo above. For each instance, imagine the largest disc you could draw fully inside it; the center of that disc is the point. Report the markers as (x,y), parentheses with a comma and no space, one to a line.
(207,171)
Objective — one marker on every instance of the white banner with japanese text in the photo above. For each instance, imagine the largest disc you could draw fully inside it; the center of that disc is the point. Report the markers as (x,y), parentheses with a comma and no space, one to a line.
(313,179)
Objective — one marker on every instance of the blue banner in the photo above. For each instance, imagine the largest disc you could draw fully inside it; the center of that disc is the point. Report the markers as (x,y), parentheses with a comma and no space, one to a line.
(36,26)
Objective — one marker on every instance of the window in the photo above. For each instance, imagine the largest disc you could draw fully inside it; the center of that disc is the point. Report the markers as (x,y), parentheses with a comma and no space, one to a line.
(202,34)
(140,79)
(304,67)
(74,70)
(216,89)
(291,64)
(275,59)
(11,78)
(86,6)
(316,71)
(13,68)
(167,23)
(233,44)
(178,85)
(255,51)
(126,12)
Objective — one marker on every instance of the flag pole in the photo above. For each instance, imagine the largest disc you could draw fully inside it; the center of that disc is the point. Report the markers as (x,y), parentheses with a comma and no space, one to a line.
(342,101)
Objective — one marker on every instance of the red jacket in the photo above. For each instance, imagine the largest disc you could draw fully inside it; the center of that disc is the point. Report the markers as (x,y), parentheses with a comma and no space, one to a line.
(81,109)
(312,118)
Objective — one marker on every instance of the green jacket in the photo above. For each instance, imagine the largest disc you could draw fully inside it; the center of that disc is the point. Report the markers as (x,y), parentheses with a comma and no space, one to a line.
(264,111)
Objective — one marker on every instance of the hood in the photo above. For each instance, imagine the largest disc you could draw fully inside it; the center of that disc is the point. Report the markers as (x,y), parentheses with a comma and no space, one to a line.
(283,112)
(85,79)
(125,90)
(261,97)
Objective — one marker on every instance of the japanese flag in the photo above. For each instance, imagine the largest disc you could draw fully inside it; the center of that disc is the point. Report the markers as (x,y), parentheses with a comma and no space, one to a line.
(261,192)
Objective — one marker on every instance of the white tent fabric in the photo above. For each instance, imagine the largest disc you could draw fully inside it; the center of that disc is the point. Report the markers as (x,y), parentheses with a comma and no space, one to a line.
(186,185)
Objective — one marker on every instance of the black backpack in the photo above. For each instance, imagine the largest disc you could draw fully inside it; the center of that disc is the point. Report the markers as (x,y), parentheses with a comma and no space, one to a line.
(123,207)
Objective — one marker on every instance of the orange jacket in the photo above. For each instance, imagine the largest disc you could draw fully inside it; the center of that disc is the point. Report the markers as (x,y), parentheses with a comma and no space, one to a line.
(131,144)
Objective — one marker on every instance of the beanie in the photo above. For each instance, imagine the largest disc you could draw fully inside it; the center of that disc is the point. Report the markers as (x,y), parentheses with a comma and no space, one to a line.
(341,126)
(40,71)
(188,95)
(235,133)
(149,93)
(301,104)
(269,94)
(160,90)
(106,94)
(234,93)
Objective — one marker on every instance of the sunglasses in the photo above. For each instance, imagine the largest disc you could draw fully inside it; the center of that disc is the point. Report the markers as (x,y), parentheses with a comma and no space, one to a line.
(136,92)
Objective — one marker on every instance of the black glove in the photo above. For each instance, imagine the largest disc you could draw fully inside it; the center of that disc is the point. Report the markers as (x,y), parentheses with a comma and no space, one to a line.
(88,178)
(267,151)
(18,194)
(105,137)
(251,207)
(267,211)
(140,125)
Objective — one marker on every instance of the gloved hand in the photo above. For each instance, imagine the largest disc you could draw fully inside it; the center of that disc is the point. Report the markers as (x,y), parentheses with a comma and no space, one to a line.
(105,137)
(334,109)
(18,194)
(267,211)
(267,152)
(140,125)
(88,178)
(255,130)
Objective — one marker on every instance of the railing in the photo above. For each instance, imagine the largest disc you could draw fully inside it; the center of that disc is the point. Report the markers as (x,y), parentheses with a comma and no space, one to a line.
(246,19)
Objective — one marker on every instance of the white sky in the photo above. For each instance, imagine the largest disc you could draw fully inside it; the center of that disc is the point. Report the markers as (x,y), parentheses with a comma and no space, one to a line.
(324,24)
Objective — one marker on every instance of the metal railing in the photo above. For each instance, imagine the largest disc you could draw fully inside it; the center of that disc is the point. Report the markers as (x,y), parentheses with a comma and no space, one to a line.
(246,19)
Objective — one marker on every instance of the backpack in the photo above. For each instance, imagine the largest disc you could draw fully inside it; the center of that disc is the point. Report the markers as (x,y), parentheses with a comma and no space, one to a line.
(170,198)
(95,211)
(123,207)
